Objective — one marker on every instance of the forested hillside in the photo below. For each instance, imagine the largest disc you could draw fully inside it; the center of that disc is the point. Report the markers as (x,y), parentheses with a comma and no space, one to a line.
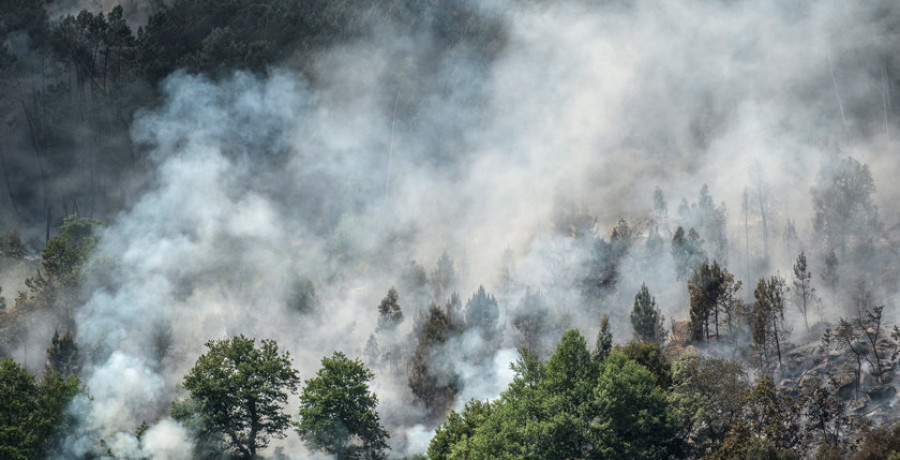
(449,229)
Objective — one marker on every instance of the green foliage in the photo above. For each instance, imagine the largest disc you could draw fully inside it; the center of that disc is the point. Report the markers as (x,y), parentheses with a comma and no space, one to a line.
(572,407)
(457,431)
(32,412)
(646,318)
(337,411)
(633,419)
(237,390)
(65,255)
(707,399)
(63,356)
(769,425)
(571,373)
(650,355)
(604,342)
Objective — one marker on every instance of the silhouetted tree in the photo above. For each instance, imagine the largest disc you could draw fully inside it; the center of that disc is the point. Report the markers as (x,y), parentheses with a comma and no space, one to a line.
(687,250)
(768,317)
(804,292)
(389,312)
(709,287)
(646,318)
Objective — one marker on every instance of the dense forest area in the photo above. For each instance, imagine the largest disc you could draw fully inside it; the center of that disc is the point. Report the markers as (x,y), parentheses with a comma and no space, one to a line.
(449,229)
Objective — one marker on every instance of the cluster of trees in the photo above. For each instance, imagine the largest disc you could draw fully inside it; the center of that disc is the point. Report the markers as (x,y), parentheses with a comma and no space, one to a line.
(630,402)
(238,391)
(70,85)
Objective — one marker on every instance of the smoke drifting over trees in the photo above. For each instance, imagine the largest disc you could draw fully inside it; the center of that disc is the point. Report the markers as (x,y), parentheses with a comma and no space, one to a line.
(504,171)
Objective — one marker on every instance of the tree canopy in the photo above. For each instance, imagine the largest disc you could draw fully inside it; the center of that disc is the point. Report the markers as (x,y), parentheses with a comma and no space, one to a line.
(338,411)
(238,390)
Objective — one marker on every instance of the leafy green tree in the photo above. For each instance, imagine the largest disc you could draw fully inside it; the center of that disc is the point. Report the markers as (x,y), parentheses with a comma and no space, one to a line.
(646,318)
(650,355)
(707,400)
(633,419)
(456,432)
(545,412)
(238,391)
(64,256)
(63,356)
(769,425)
(32,412)
(337,411)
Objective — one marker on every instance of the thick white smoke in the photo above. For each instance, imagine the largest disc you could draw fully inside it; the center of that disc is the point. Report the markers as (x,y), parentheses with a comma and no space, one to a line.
(259,180)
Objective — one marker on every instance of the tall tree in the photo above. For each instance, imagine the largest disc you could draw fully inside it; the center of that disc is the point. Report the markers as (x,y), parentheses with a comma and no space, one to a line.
(32,412)
(604,342)
(768,317)
(389,312)
(709,287)
(633,419)
(63,356)
(532,318)
(238,391)
(804,292)
(482,313)
(646,319)
(431,378)
(842,202)
(687,250)
(337,411)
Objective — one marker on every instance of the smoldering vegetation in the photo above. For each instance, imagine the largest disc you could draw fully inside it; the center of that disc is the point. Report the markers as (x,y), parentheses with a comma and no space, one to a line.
(509,170)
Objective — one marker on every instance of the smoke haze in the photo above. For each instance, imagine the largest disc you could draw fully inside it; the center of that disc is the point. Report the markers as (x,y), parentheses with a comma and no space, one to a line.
(394,149)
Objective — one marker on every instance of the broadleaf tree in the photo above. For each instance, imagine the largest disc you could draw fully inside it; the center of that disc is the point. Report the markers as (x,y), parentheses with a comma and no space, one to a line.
(337,411)
(238,390)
